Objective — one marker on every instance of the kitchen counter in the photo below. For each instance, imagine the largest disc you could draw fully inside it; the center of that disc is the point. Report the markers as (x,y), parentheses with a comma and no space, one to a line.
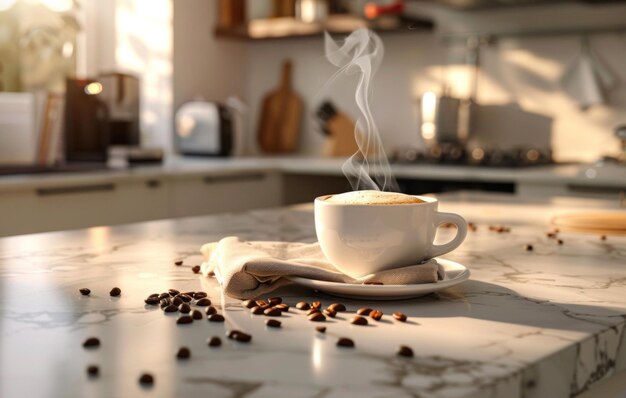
(174,167)
(546,323)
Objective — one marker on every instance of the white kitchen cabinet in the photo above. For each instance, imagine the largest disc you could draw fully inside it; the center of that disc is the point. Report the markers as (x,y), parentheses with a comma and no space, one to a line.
(218,193)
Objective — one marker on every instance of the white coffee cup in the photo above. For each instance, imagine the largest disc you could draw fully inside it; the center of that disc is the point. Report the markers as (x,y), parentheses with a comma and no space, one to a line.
(360,239)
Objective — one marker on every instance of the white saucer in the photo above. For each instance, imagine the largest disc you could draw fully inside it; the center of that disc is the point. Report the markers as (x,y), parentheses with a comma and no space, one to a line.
(455,273)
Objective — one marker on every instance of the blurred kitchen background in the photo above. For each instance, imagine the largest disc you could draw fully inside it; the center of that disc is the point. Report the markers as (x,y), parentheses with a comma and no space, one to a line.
(116,111)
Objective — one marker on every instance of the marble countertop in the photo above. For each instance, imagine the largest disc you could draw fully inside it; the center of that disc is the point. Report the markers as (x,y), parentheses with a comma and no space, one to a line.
(546,323)
(176,167)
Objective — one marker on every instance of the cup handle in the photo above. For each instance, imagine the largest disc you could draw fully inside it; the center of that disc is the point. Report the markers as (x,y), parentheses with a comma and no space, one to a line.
(461,233)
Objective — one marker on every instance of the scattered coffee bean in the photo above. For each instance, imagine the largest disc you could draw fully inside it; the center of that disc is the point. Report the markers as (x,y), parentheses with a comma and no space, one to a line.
(330,312)
(185,298)
(399,316)
(283,307)
(273,323)
(152,301)
(603,237)
(313,311)
(211,273)
(376,315)
(248,303)
(173,292)
(210,310)
(115,292)
(165,303)
(184,308)
(92,342)
(316,304)
(560,241)
(528,248)
(146,379)
(154,295)
(93,370)
(405,351)
(257,310)
(177,301)
(214,341)
(262,303)
(316,317)
(338,307)
(239,336)
(184,319)
(190,294)
(303,305)
(164,296)
(274,300)
(195,269)
(178,262)
(84,291)
(358,320)
(373,283)
(183,353)
(472,226)
(199,295)
(272,311)
(195,314)
(364,311)
(171,308)
(320,329)
(345,342)
(215,318)
(203,302)
(550,235)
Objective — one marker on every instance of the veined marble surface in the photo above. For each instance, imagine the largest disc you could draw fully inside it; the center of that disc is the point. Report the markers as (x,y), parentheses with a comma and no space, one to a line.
(547,323)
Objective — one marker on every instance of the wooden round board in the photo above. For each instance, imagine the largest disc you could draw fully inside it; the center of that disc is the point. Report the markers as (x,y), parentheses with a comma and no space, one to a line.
(605,223)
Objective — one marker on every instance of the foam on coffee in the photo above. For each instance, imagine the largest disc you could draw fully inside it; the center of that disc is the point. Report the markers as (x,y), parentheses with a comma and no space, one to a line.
(373,198)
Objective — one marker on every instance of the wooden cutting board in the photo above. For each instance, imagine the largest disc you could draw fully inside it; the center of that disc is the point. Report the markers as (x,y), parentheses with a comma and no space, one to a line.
(603,223)
(281,112)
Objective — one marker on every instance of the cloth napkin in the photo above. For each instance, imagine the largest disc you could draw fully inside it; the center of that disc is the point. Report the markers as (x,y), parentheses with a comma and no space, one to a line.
(251,269)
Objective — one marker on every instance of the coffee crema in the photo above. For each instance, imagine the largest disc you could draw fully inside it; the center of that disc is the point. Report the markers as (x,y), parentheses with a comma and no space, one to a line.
(371,197)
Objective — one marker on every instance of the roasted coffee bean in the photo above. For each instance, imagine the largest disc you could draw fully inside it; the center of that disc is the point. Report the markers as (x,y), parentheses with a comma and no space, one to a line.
(184,308)
(115,292)
(603,237)
(248,303)
(257,310)
(177,301)
(183,353)
(274,300)
(303,305)
(358,320)
(210,310)
(376,315)
(203,302)
(405,351)
(528,248)
(560,241)
(373,283)
(214,341)
(345,342)
(313,311)
(273,323)
(184,319)
(154,295)
(91,342)
(283,307)
(262,303)
(364,311)
(195,269)
(190,294)
(399,316)
(146,379)
(550,235)
(239,336)
(321,329)
(165,303)
(152,301)
(330,312)
(316,317)
(211,273)
(185,298)
(338,307)
(84,291)
(178,262)
(173,292)
(164,296)
(199,295)
(93,370)
(171,308)
(215,318)
(195,314)
(272,312)
(316,304)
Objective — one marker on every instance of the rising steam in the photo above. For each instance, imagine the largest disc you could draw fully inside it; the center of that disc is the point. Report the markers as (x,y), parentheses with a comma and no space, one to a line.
(362,52)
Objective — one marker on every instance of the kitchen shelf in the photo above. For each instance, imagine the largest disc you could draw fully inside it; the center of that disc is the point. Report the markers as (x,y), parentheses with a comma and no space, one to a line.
(287,27)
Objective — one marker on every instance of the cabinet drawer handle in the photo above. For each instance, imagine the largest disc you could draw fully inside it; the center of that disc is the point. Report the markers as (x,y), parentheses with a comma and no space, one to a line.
(75,189)
(233,178)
